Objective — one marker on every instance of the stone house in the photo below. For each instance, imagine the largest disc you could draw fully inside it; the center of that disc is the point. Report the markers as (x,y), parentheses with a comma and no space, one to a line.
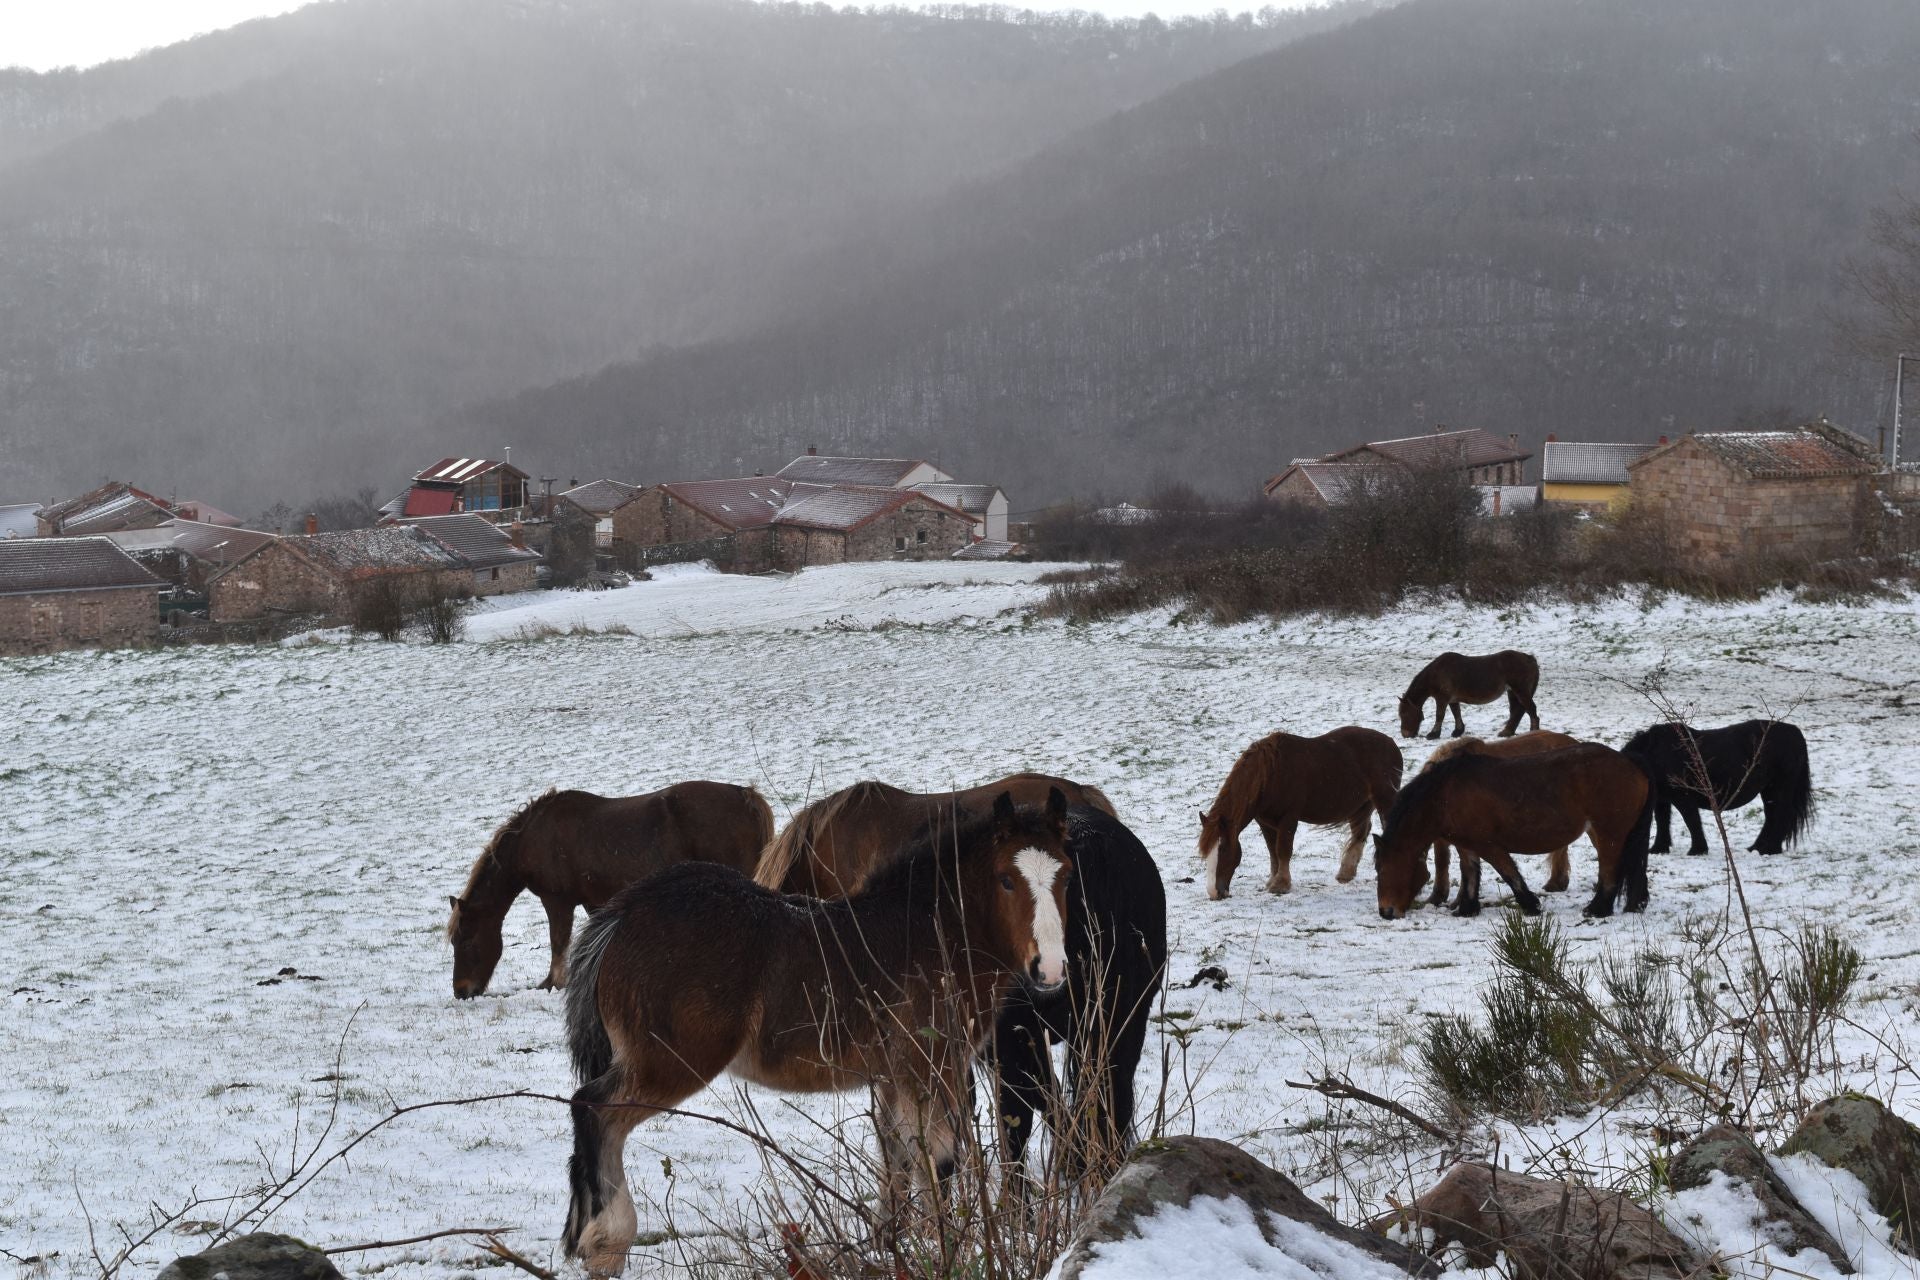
(330,573)
(601,498)
(1321,484)
(1483,456)
(1588,476)
(702,512)
(497,561)
(845,524)
(188,553)
(871,473)
(1759,496)
(64,593)
(984,502)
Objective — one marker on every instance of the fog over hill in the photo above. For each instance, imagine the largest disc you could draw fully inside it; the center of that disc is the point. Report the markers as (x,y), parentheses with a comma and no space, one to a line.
(257,264)
(1609,220)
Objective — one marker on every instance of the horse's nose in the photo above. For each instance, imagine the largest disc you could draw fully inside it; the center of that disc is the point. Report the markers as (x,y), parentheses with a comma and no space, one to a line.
(463,992)
(1388,913)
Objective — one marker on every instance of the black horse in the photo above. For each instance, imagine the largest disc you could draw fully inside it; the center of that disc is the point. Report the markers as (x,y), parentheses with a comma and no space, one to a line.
(1116,960)
(1756,758)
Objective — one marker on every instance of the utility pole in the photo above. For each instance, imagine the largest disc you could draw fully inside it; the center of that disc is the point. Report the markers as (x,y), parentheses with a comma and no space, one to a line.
(1899,389)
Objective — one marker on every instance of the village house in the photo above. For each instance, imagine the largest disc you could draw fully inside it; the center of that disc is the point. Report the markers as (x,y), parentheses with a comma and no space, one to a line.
(112,507)
(1484,459)
(186,553)
(498,560)
(845,523)
(1589,476)
(985,503)
(601,498)
(64,593)
(874,473)
(1759,496)
(454,485)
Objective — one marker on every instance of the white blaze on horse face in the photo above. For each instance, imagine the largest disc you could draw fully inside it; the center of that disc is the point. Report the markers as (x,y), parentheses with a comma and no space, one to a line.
(1041,869)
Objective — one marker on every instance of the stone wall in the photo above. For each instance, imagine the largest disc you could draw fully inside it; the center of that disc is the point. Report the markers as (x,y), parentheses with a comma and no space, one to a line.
(1718,515)
(502,580)
(655,517)
(44,622)
(272,580)
(1297,488)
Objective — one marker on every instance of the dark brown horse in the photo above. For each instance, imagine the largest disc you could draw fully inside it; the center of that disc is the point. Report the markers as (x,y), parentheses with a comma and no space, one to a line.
(698,971)
(830,847)
(576,849)
(1559,866)
(1494,808)
(1454,678)
(1337,779)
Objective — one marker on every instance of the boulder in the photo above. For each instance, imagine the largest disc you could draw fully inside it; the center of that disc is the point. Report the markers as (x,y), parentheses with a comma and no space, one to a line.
(261,1256)
(1548,1230)
(1876,1146)
(1733,1153)
(1214,1187)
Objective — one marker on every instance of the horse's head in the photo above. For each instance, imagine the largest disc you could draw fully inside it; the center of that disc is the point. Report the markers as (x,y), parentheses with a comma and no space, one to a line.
(476,949)
(1400,869)
(1030,868)
(1411,713)
(1220,846)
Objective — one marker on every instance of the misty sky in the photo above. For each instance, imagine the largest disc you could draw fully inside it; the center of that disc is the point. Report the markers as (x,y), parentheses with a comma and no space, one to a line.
(44,34)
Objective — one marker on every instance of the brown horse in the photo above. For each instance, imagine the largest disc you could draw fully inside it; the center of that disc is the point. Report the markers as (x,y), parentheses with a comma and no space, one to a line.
(1337,779)
(1494,808)
(1559,866)
(1454,678)
(699,971)
(576,849)
(832,845)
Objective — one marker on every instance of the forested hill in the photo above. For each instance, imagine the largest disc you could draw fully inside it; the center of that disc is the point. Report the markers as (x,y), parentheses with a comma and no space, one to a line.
(1609,220)
(257,262)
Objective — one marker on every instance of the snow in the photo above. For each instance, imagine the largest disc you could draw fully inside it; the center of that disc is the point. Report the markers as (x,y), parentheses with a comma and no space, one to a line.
(1220,1239)
(178,826)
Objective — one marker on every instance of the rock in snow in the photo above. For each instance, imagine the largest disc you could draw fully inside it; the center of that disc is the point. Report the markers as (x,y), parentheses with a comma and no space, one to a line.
(1726,1150)
(261,1256)
(1861,1136)
(1202,1207)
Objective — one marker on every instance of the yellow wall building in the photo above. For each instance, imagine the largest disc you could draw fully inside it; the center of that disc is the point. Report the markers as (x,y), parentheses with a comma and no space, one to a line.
(1590,476)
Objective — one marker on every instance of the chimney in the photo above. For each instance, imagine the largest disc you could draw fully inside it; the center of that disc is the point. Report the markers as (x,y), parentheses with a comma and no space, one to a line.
(812,452)
(313,523)
(517,535)
(1552,437)
(1663,439)
(1513,441)
(574,483)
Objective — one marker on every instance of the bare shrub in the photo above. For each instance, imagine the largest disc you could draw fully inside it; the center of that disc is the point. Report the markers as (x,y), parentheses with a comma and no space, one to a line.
(442,615)
(381,608)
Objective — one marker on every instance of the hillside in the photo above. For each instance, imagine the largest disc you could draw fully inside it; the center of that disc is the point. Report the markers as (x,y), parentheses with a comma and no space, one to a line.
(245,262)
(1606,220)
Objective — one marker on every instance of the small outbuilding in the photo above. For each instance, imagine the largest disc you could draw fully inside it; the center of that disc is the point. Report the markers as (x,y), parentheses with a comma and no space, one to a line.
(66,593)
(984,502)
(498,561)
(1757,496)
(845,523)
(1590,476)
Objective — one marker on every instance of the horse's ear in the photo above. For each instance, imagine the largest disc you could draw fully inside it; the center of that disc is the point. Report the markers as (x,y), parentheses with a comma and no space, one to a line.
(1003,808)
(1056,807)
(453,901)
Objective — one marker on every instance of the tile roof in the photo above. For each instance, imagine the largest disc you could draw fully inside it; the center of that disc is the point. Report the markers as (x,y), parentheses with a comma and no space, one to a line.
(848,507)
(747,502)
(213,543)
(970,498)
(1578,462)
(206,513)
(1505,499)
(1470,448)
(877,472)
(601,496)
(461,470)
(1333,481)
(989,549)
(1804,454)
(371,553)
(67,564)
(476,543)
(113,506)
(19,520)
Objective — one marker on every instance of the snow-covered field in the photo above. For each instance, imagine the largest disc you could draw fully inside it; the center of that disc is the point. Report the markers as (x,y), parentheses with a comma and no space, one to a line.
(179,829)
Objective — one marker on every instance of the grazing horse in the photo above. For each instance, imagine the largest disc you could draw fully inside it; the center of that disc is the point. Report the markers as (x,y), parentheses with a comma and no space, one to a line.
(698,971)
(830,846)
(1454,678)
(1755,758)
(1337,779)
(576,849)
(1494,808)
(1559,867)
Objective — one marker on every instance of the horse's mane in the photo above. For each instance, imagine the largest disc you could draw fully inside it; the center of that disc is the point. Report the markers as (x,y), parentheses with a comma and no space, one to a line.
(788,849)
(1450,748)
(1242,787)
(1424,784)
(1095,798)
(505,832)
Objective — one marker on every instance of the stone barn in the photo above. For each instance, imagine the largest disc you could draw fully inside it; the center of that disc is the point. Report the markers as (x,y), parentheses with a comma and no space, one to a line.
(497,560)
(67,593)
(1758,496)
(842,524)
(329,573)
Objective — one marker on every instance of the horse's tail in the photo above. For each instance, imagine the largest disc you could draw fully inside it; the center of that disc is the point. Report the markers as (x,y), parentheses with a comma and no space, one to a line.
(1796,778)
(782,853)
(592,1053)
(762,816)
(1097,798)
(1632,873)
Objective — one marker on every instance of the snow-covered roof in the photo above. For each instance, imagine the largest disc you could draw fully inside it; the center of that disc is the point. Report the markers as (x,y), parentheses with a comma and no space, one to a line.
(879,472)
(1582,462)
(67,564)
(478,543)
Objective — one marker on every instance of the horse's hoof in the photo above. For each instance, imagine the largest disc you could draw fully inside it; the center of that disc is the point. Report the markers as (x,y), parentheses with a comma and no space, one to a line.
(1598,911)
(1466,909)
(1528,907)
(1345,877)
(1556,885)
(1277,889)
(1697,853)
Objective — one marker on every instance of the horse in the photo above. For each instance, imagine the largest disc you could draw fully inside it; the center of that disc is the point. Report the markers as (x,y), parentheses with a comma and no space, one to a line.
(1559,867)
(1454,678)
(1493,808)
(831,845)
(1755,758)
(576,849)
(1337,779)
(697,970)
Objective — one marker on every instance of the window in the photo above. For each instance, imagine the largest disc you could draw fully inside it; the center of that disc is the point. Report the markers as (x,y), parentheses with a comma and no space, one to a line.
(493,575)
(899,544)
(89,620)
(43,622)
(920,535)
